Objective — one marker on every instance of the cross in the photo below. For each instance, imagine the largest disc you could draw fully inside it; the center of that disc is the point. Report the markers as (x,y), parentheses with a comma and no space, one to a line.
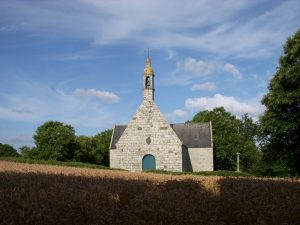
(237,162)
(148,52)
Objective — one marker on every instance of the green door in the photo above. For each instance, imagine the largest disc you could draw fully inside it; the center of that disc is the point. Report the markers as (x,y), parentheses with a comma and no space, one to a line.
(149,162)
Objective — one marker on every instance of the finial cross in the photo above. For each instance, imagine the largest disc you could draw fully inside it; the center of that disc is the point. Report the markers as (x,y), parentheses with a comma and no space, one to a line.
(148,52)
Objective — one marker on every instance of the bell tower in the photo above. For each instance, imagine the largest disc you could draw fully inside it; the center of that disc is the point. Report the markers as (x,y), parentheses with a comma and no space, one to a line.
(148,81)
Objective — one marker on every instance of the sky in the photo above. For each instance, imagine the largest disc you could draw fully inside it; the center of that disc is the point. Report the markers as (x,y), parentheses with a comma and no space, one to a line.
(81,62)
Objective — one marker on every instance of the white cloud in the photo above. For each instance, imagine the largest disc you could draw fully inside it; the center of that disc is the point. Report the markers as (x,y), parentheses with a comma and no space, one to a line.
(37,102)
(207,86)
(233,70)
(180,25)
(177,116)
(179,113)
(102,95)
(170,53)
(230,103)
(188,70)
(199,67)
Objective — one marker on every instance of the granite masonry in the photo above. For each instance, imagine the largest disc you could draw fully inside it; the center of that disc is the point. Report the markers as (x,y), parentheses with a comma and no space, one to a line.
(150,142)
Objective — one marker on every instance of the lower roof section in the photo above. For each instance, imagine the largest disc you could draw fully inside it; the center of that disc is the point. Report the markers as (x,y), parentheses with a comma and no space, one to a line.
(194,135)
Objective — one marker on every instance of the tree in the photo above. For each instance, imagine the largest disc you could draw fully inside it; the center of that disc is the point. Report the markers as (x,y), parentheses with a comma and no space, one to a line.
(8,151)
(250,137)
(86,150)
(93,149)
(55,140)
(231,135)
(102,141)
(30,153)
(281,120)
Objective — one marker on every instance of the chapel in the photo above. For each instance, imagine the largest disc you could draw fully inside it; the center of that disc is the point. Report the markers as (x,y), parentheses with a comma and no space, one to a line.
(149,142)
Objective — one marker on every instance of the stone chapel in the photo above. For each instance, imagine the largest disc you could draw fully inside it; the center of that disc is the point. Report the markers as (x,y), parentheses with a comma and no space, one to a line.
(150,142)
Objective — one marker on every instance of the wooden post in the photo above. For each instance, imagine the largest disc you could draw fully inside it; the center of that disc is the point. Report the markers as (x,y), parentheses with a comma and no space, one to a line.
(237,162)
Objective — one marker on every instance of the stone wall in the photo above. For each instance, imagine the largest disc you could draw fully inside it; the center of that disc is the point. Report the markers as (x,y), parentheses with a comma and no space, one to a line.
(148,132)
(200,159)
(149,94)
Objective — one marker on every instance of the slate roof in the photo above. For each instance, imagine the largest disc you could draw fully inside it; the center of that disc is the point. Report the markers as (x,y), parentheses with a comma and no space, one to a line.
(192,135)
(118,131)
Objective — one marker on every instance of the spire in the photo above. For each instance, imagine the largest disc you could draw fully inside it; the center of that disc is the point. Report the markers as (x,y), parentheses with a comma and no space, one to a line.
(148,80)
(148,69)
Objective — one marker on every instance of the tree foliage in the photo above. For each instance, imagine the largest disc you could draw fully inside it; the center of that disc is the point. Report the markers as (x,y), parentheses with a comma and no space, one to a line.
(231,135)
(94,149)
(55,140)
(102,141)
(281,120)
(86,150)
(29,153)
(8,151)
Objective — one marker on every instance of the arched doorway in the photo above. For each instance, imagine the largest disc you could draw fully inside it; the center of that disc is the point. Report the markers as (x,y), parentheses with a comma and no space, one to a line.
(149,163)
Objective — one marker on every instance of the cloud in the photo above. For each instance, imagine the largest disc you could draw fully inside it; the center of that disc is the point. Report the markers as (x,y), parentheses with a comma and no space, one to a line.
(263,80)
(77,57)
(185,71)
(179,113)
(199,67)
(102,95)
(16,139)
(209,26)
(170,54)
(37,102)
(13,27)
(230,103)
(233,70)
(207,86)
(7,113)
(176,116)
(22,111)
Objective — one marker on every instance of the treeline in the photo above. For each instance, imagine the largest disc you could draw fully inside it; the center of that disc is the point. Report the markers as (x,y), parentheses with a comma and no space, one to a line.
(57,141)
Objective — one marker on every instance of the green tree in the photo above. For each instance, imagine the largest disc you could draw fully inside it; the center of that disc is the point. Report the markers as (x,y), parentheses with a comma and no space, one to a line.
(29,153)
(55,140)
(94,149)
(102,141)
(8,151)
(231,135)
(250,128)
(249,135)
(86,150)
(281,120)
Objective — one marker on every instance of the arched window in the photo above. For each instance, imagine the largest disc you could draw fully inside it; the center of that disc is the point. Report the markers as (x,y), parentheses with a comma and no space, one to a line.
(147,82)
(149,163)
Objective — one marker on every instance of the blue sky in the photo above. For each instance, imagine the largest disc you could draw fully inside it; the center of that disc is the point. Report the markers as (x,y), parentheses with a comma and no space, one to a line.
(81,62)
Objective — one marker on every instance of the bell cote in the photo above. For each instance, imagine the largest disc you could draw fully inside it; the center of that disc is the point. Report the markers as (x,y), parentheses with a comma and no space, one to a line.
(148,81)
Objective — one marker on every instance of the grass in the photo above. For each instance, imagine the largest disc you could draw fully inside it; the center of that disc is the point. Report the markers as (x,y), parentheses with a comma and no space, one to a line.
(46,194)
(94,166)
(223,173)
(53,162)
